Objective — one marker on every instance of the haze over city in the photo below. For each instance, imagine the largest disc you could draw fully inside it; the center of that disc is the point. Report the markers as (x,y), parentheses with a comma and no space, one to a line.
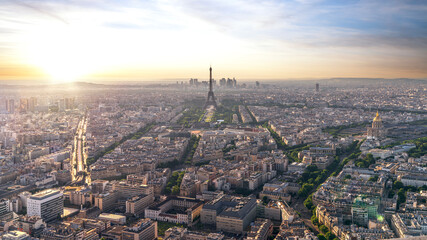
(213,120)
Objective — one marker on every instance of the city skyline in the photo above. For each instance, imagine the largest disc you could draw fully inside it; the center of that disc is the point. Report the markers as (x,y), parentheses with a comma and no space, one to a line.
(319,160)
(127,40)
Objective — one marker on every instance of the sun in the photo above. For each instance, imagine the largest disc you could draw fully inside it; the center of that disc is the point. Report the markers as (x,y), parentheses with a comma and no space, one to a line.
(61,52)
(61,64)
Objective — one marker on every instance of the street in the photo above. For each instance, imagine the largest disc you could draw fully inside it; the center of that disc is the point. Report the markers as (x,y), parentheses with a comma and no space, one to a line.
(79,171)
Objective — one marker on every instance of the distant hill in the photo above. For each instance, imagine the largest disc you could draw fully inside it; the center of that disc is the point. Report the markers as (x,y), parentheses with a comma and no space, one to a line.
(346,82)
(69,85)
(325,83)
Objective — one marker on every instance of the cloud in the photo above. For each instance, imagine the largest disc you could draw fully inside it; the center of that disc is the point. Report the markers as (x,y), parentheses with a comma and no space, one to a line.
(40,8)
(122,25)
(318,23)
(233,31)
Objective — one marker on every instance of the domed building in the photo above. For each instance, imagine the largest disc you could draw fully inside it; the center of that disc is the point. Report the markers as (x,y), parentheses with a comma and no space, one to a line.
(377,131)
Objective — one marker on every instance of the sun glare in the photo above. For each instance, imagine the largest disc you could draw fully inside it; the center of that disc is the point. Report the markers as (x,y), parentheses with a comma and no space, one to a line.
(69,52)
(62,52)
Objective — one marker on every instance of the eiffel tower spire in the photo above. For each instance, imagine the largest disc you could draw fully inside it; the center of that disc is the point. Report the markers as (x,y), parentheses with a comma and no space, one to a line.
(211,98)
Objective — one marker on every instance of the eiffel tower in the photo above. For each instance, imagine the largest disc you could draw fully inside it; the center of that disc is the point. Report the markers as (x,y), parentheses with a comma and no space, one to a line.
(211,98)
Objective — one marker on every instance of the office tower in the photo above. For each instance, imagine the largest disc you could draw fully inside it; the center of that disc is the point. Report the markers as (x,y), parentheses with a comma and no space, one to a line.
(11,106)
(47,204)
(23,104)
(69,103)
(32,103)
(3,106)
(61,105)
(229,83)
(6,105)
(317,87)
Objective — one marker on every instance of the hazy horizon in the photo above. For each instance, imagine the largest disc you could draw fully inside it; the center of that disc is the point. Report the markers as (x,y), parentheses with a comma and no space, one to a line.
(185,81)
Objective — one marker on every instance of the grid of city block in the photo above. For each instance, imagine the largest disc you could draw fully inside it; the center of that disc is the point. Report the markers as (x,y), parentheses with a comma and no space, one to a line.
(214,159)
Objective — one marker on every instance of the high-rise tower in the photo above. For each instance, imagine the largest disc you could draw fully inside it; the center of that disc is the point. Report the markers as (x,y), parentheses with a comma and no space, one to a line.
(211,98)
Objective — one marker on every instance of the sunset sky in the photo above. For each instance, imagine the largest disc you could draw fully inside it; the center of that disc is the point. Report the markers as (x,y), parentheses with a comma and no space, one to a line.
(70,40)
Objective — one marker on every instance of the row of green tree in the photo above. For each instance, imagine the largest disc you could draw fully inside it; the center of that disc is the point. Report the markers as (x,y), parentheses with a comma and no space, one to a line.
(191,116)
(398,185)
(354,151)
(365,162)
(224,113)
(194,111)
(353,147)
(171,164)
(189,151)
(230,146)
(198,164)
(136,135)
(291,151)
(316,177)
(163,226)
(420,149)
(380,109)
(401,191)
(280,144)
(280,105)
(250,114)
(174,183)
(324,231)
(335,130)
(236,111)
(326,234)
(187,155)
(313,177)
(226,110)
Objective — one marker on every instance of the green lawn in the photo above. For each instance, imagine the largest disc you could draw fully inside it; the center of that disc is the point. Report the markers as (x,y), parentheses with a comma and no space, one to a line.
(163,226)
